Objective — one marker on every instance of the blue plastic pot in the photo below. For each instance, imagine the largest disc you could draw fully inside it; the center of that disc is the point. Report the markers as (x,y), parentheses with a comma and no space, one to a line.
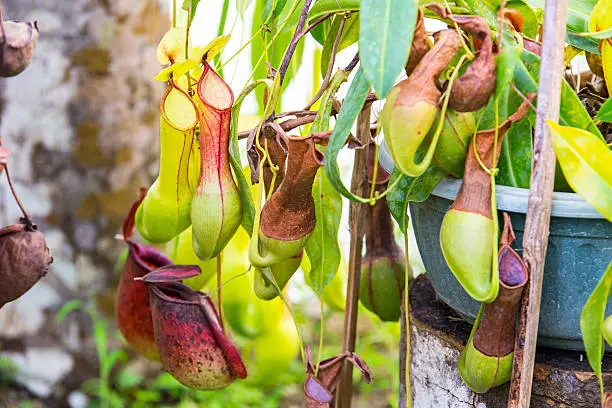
(579,250)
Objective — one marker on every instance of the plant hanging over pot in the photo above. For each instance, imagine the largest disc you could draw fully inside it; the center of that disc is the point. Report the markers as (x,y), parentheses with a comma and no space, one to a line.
(486,360)
(468,235)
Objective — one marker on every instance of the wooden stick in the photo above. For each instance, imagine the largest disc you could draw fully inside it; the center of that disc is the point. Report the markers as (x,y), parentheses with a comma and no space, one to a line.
(535,239)
(359,186)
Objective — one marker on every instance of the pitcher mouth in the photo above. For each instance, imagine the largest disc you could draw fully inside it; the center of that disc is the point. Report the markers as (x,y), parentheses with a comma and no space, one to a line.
(220,99)
(146,257)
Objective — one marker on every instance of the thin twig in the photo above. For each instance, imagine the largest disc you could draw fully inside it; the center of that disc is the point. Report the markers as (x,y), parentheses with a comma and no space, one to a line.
(519,93)
(15,196)
(282,71)
(286,125)
(353,63)
(314,24)
(330,68)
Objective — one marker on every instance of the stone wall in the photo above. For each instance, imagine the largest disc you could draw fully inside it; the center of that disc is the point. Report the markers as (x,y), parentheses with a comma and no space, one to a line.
(81,125)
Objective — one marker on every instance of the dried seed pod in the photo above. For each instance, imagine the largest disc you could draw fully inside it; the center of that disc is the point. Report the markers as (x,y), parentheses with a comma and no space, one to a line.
(472,90)
(288,217)
(468,228)
(192,346)
(282,272)
(24,259)
(216,210)
(420,44)
(412,106)
(451,150)
(383,266)
(486,361)
(132,305)
(18,47)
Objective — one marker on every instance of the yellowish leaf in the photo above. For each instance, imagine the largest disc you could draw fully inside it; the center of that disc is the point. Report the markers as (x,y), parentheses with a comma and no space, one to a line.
(586,163)
(210,50)
(171,48)
(176,70)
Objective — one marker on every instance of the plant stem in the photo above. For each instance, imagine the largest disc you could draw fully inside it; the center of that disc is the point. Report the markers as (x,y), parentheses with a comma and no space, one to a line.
(282,71)
(16,197)
(405,394)
(174,13)
(314,24)
(359,187)
(330,68)
(220,31)
(219,298)
(353,63)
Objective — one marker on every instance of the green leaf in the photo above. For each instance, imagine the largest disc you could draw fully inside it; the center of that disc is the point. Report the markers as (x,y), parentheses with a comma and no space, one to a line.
(276,51)
(355,98)
(242,6)
(515,157)
(248,207)
(386,30)
(486,9)
(411,189)
(578,13)
(505,64)
(591,320)
(273,9)
(349,36)
(572,112)
(605,112)
(67,308)
(585,160)
(583,43)
(322,248)
(322,7)
(190,6)
(598,35)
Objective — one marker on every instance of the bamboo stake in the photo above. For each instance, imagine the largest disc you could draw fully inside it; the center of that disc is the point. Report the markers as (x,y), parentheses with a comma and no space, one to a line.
(535,239)
(359,186)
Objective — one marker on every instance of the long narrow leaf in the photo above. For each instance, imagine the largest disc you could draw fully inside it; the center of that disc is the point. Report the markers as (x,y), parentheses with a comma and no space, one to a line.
(385,35)
(591,320)
(355,98)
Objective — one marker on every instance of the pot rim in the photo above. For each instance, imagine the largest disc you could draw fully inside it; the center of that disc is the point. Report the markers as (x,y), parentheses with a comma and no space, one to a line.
(512,199)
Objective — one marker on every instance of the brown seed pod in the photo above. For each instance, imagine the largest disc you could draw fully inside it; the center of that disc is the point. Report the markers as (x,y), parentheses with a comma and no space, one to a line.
(472,90)
(24,259)
(17,47)
(420,44)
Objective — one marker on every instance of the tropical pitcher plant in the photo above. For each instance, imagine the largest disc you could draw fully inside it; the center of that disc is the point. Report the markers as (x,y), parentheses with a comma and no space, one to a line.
(457,102)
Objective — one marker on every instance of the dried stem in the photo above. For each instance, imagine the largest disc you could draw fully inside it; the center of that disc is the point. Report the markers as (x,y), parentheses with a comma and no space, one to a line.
(15,196)
(357,217)
(353,64)
(330,68)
